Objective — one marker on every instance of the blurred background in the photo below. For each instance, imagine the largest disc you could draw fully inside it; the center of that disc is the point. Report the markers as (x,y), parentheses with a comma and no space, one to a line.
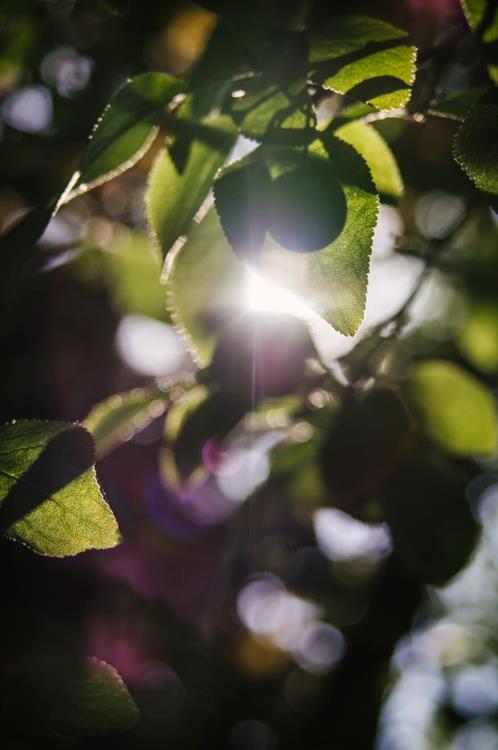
(247,613)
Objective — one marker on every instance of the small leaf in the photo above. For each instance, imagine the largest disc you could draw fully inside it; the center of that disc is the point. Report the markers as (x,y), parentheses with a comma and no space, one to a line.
(476,147)
(204,283)
(49,495)
(478,336)
(182,176)
(429,516)
(114,420)
(275,114)
(127,127)
(333,281)
(361,56)
(379,157)
(453,408)
(96,702)
(482,17)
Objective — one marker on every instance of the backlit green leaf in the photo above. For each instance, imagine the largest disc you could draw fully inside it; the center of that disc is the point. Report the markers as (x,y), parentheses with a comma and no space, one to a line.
(478,336)
(366,58)
(127,127)
(476,147)
(182,176)
(204,284)
(379,157)
(49,495)
(453,408)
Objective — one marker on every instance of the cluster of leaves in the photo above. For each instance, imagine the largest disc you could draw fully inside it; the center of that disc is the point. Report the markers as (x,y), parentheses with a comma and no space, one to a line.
(300,207)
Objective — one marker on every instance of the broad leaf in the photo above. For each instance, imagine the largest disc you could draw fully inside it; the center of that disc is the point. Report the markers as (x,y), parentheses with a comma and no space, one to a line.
(95,702)
(333,281)
(430,519)
(127,127)
(365,58)
(476,147)
(379,157)
(204,283)
(182,176)
(453,408)
(49,495)
(277,114)
(119,417)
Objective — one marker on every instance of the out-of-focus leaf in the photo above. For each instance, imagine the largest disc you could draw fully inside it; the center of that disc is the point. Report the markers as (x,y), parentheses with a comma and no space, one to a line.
(182,176)
(96,702)
(275,114)
(478,337)
(482,17)
(49,495)
(127,126)
(116,419)
(204,284)
(453,408)
(333,281)
(361,56)
(476,147)
(430,519)
(457,105)
(367,440)
(379,157)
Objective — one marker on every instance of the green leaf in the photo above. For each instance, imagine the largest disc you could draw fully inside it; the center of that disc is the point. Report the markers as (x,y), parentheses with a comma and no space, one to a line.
(453,408)
(379,157)
(430,519)
(204,283)
(476,147)
(333,281)
(456,105)
(363,57)
(275,114)
(49,495)
(96,702)
(182,176)
(121,416)
(482,17)
(127,127)
(478,336)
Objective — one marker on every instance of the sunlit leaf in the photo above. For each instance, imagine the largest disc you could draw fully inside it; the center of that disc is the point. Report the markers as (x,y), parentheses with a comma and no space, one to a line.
(453,408)
(204,284)
(182,176)
(365,57)
(430,519)
(119,417)
(478,336)
(482,17)
(476,146)
(127,127)
(379,157)
(333,281)
(49,495)
(95,702)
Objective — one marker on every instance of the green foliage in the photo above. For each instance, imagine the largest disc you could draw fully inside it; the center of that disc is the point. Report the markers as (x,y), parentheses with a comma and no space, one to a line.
(182,176)
(355,55)
(478,337)
(49,495)
(475,145)
(127,127)
(482,17)
(453,408)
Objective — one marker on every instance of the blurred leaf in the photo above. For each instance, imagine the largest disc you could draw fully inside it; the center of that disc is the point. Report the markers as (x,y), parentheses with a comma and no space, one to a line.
(430,519)
(97,702)
(333,281)
(204,284)
(478,337)
(182,176)
(360,56)
(49,495)
(379,157)
(127,126)
(476,147)
(367,440)
(116,419)
(482,17)
(453,408)
(457,105)
(275,114)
